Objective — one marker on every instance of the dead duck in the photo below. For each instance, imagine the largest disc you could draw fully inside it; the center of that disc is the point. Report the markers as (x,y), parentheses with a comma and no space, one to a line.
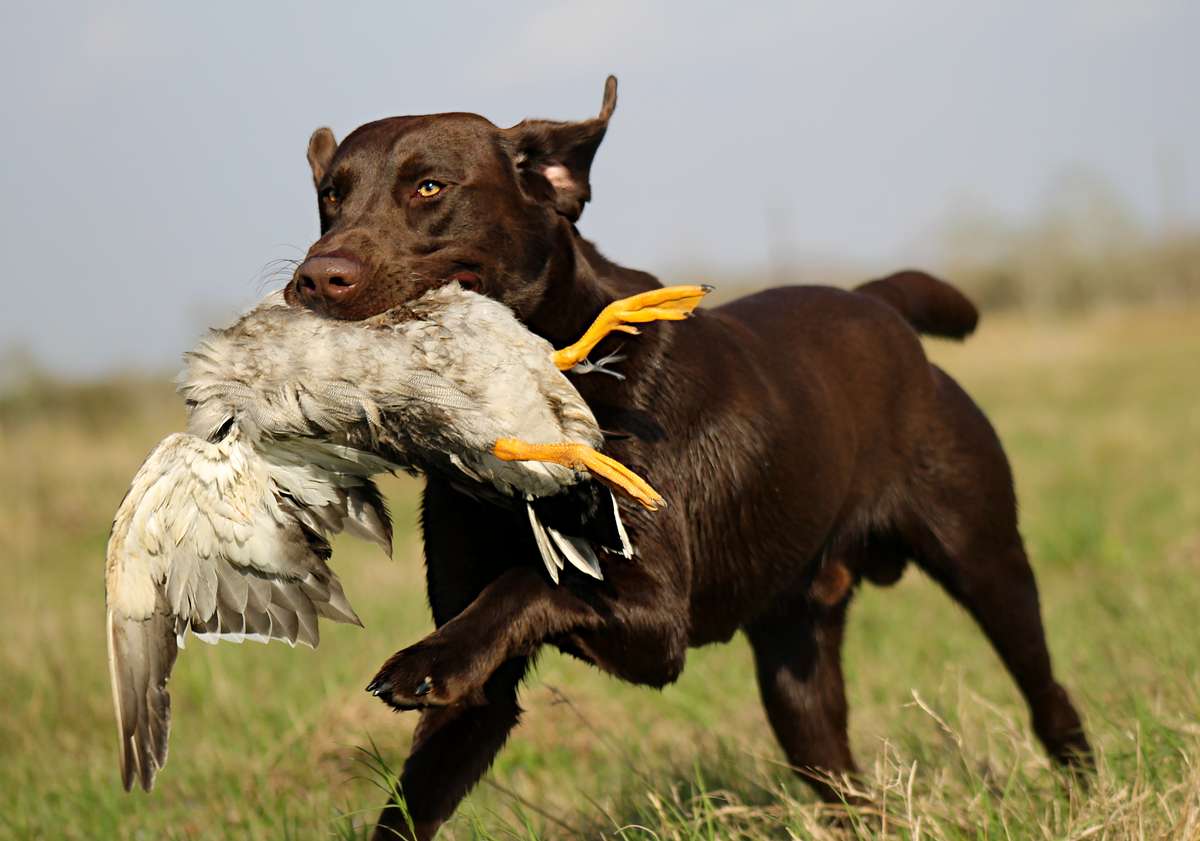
(225,528)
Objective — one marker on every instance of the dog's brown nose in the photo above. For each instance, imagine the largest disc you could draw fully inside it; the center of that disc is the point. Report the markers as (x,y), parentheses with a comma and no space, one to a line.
(328,280)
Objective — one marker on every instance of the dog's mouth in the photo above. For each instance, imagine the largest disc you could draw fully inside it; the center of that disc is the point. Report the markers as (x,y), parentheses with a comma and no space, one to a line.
(467,279)
(291,297)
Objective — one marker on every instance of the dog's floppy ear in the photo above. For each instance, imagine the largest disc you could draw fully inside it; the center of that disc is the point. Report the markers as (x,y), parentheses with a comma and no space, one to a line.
(321,147)
(554,159)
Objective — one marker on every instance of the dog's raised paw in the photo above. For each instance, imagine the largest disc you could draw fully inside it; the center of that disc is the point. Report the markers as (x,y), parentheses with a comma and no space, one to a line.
(427,675)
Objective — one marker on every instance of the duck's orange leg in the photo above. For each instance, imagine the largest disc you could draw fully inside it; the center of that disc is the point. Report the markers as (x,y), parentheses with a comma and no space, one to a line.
(582,457)
(671,303)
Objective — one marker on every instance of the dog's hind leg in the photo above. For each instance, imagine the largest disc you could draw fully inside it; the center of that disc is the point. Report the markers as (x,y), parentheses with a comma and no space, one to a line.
(996,585)
(965,537)
(797,655)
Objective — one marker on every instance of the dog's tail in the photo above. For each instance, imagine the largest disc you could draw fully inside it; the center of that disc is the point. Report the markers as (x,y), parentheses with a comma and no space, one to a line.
(933,307)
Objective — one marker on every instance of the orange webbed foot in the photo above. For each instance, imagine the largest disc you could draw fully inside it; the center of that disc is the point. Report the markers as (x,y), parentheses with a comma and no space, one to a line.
(671,303)
(582,457)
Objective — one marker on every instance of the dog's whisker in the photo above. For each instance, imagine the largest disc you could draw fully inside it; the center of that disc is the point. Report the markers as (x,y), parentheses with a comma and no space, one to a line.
(278,270)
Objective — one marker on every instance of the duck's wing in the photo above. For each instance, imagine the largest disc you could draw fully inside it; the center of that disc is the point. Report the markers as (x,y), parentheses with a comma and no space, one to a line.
(328,487)
(201,541)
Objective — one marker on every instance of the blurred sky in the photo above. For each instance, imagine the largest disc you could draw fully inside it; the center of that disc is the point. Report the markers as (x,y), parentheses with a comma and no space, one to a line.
(153,153)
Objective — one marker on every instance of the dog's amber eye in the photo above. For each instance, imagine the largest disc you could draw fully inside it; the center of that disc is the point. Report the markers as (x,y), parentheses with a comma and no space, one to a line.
(428,188)
(330,195)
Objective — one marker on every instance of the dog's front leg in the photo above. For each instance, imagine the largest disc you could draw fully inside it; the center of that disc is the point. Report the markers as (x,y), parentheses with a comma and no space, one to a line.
(452,748)
(511,618)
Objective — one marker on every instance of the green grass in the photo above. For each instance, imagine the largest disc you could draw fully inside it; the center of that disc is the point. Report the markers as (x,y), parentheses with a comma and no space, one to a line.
(1102,420)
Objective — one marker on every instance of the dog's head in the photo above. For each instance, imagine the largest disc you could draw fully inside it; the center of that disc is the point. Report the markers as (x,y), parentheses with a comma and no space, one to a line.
(410,203)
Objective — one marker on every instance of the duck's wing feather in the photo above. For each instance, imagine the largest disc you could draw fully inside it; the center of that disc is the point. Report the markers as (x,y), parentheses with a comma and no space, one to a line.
(141,654)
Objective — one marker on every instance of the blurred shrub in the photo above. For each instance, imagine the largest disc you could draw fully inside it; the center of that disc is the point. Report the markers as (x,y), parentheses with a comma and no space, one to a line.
(1085,248)
(31,396)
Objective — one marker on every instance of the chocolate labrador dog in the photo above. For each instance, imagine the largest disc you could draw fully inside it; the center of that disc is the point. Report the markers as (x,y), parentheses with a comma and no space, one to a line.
(801,436)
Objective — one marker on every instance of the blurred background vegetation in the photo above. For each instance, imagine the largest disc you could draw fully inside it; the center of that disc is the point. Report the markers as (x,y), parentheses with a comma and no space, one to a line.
(1083,248)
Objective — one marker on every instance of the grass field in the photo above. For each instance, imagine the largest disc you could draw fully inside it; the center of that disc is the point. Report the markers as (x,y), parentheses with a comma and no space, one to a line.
(1101,416)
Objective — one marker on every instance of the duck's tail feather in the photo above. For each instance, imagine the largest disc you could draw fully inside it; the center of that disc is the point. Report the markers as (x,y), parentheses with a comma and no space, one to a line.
(570,527)
(579,552)
(626,548)
(550,556)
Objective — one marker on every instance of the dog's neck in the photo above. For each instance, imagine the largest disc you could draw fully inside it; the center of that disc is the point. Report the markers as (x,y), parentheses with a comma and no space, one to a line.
(580,283)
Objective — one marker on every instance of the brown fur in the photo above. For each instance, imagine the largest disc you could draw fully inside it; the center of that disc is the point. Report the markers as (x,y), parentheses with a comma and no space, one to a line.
(801,436)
